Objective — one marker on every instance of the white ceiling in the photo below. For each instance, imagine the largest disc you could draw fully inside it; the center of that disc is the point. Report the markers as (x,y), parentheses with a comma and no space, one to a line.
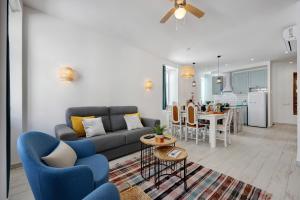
(237,29)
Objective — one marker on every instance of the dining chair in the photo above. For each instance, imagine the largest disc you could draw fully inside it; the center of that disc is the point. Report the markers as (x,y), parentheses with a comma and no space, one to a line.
(225,128)
(192,125)
(177,121)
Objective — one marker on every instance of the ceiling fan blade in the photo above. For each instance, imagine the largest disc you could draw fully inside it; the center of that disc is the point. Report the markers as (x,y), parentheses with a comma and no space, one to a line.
(168,15)
(195,11)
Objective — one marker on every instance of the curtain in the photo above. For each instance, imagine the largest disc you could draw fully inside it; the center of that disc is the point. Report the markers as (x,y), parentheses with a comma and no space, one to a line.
(8,127)
(164,89)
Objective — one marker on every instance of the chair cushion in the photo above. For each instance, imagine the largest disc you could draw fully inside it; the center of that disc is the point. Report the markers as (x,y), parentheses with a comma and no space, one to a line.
(117,116)
(99,166)
(109,141)
(133,136)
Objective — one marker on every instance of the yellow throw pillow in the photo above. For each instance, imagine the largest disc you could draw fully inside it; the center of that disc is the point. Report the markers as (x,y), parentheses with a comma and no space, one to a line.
(78,126)
(134,114)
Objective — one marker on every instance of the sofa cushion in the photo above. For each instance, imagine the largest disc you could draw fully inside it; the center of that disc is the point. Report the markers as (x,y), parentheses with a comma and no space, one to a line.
(99,166)
(102,112)
(133,136)
(109,141)
(117,116)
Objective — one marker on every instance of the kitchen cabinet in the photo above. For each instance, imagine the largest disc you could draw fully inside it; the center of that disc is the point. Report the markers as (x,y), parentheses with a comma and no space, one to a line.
(258,78)
(240,82)
(216,87)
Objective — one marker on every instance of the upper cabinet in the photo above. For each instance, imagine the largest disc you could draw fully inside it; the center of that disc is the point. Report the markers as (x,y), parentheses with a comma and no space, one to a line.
(216,87)
(243,81)
(240,83)
(258,78)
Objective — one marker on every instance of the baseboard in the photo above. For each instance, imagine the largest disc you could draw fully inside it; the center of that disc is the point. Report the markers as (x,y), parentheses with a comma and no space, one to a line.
(16,165)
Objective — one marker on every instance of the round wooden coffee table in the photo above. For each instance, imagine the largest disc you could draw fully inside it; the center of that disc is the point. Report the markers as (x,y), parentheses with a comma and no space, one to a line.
(147,148)
(166,165)
(152,142)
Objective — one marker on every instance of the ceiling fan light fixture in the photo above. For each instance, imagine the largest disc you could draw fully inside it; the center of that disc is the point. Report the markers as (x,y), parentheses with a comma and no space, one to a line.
(180,12)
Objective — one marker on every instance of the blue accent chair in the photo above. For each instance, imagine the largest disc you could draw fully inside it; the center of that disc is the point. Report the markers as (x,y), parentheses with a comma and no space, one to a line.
(107,191)
(49,183)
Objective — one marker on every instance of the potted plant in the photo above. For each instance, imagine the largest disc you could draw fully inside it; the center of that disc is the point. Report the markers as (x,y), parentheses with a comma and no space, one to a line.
(159,131)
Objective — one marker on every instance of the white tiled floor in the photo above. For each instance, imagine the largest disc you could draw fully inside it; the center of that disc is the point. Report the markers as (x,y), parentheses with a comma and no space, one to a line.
(265,158)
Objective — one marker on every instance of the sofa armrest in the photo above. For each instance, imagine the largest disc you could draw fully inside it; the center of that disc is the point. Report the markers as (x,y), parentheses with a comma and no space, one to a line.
(105,191)
(150,122)
(66,183)
(63,132)
(83,148)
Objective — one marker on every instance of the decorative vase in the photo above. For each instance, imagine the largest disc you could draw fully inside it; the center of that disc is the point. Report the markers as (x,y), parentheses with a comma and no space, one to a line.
(159,138)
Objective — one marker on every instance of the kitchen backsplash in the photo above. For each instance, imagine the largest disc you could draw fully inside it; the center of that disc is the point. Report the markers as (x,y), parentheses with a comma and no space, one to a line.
(231,98)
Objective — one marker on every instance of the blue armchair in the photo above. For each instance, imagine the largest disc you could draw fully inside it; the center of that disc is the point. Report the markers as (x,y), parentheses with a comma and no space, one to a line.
(48,183)
(107,191)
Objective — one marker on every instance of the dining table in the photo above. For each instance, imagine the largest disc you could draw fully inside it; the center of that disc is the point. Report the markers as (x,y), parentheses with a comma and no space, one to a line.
(213,118)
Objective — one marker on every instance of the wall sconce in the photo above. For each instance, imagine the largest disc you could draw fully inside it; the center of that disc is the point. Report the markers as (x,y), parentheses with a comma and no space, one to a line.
(148,85)
(67,74)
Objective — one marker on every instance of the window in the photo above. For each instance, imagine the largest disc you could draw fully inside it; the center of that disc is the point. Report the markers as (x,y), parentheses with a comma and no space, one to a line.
(170,86)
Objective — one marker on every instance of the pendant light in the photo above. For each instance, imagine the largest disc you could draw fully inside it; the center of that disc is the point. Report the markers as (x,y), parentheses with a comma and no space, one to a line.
(187,71)
(219,79)
(194,84)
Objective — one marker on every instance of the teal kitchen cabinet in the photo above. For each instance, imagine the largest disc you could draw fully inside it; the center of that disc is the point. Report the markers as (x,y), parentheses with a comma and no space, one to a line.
(240,82)
(216,87)
(258,78)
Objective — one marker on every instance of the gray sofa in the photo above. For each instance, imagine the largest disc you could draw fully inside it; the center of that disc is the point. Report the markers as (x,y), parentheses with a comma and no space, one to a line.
(118,141)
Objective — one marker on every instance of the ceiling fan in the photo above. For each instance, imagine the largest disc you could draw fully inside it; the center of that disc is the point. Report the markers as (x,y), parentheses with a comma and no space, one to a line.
(180,9)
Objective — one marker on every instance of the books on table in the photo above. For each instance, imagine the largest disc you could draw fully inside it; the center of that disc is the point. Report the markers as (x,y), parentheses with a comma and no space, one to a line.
(174,153)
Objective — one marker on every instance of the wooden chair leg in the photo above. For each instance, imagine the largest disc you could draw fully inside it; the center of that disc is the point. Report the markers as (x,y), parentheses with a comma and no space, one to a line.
(197,132)
(225,138)
(180,132)
(229,138)
(186,132)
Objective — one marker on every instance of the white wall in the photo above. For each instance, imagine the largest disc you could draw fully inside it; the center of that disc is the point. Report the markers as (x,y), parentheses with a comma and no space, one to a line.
(111,71)
(282,92)
(3,19)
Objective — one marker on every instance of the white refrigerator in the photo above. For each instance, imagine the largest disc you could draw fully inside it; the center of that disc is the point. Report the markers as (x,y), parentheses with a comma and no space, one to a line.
(257,109)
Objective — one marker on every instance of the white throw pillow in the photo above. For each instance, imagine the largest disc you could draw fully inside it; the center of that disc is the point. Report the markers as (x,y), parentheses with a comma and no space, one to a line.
(93,126)
(62,156)
(133,122)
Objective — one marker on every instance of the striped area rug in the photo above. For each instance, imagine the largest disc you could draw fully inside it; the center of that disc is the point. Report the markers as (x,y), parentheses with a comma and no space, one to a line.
(203,183)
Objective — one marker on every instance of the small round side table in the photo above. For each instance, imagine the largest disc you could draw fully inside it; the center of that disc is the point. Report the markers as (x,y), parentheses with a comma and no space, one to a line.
(166,165)
(147,148)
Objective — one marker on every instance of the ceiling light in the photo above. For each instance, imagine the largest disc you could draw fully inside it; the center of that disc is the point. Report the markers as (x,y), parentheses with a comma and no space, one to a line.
(180,12)
(291,62)
(251,59)
(286,52)
(226,65)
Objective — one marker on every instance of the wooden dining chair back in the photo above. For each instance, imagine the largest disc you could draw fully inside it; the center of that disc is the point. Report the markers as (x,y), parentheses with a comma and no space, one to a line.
(177,121)
(191,114)
(228,118)
(175,113)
